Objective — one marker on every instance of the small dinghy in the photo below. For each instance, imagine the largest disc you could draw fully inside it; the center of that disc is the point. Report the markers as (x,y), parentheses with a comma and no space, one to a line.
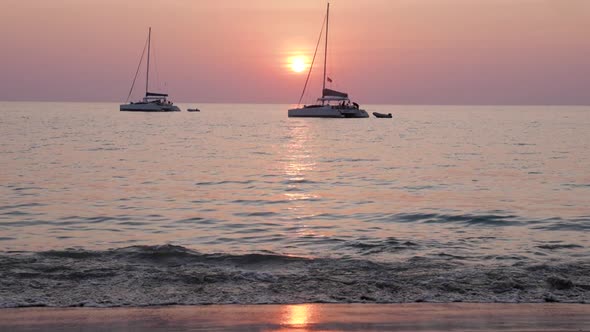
(193,110)
(382,115)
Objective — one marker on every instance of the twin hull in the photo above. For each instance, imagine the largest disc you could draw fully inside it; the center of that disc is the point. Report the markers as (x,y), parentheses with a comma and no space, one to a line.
(149,107)
(327,112)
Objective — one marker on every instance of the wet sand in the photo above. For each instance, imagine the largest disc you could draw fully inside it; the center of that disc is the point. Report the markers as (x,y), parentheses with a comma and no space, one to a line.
(306,317)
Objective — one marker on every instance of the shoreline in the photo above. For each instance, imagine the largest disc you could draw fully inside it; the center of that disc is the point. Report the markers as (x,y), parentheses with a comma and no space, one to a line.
(307,317)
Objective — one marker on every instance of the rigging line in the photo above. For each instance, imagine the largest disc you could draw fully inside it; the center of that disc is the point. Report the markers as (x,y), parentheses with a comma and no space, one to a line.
(159,87)
(329,66)
(312,61)
(137,71)
(326,51)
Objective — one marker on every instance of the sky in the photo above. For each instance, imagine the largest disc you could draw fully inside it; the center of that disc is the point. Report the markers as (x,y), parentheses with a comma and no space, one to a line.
(476,52)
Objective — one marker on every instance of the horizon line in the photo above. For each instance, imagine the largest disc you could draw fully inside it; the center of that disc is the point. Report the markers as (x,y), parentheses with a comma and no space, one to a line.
(283,103)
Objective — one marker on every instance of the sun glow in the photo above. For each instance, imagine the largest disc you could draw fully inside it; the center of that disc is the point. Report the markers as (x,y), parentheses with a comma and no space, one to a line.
(298,63)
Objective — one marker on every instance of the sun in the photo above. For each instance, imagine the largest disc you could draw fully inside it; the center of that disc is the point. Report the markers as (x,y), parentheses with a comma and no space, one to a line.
(298,63)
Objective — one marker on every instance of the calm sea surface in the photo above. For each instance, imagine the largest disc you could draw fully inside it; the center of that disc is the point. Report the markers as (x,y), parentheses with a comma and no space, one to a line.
(473,185)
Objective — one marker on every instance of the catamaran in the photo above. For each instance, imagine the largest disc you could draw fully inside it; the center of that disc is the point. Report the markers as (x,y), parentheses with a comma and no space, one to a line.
(152,102)
(332,104)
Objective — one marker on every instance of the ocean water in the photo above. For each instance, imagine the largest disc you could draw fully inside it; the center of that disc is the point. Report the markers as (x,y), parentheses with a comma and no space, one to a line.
(240,204)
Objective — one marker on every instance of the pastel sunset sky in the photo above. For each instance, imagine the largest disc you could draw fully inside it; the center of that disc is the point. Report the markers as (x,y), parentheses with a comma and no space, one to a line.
(381,51)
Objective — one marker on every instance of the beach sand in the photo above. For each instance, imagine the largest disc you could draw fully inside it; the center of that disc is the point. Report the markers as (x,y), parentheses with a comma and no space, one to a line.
(305,317)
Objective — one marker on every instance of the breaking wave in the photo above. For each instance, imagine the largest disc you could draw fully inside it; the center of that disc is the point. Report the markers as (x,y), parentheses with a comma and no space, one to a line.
(175,275)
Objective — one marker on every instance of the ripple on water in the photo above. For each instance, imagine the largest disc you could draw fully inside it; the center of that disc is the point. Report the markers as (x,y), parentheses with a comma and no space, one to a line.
(557,246)
(256,214)
(197,220)
(559,224)
(466,219)
(259,201)
(218,183)
(23,205)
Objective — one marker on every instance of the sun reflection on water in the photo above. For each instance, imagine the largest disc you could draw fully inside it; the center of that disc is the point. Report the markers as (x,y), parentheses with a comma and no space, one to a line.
(297,317)
(299,151)
(299,163)
(299,167)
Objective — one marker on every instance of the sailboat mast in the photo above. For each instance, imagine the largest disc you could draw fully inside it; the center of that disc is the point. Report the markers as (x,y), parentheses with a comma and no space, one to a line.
(326,48)
(147,76)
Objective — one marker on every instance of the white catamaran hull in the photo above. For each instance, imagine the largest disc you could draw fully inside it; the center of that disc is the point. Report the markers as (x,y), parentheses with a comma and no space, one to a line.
(327,111)
(149,107)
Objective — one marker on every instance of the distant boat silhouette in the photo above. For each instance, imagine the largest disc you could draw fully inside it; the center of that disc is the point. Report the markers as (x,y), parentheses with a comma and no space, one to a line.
(152,102)
(382,115)
(332,104)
